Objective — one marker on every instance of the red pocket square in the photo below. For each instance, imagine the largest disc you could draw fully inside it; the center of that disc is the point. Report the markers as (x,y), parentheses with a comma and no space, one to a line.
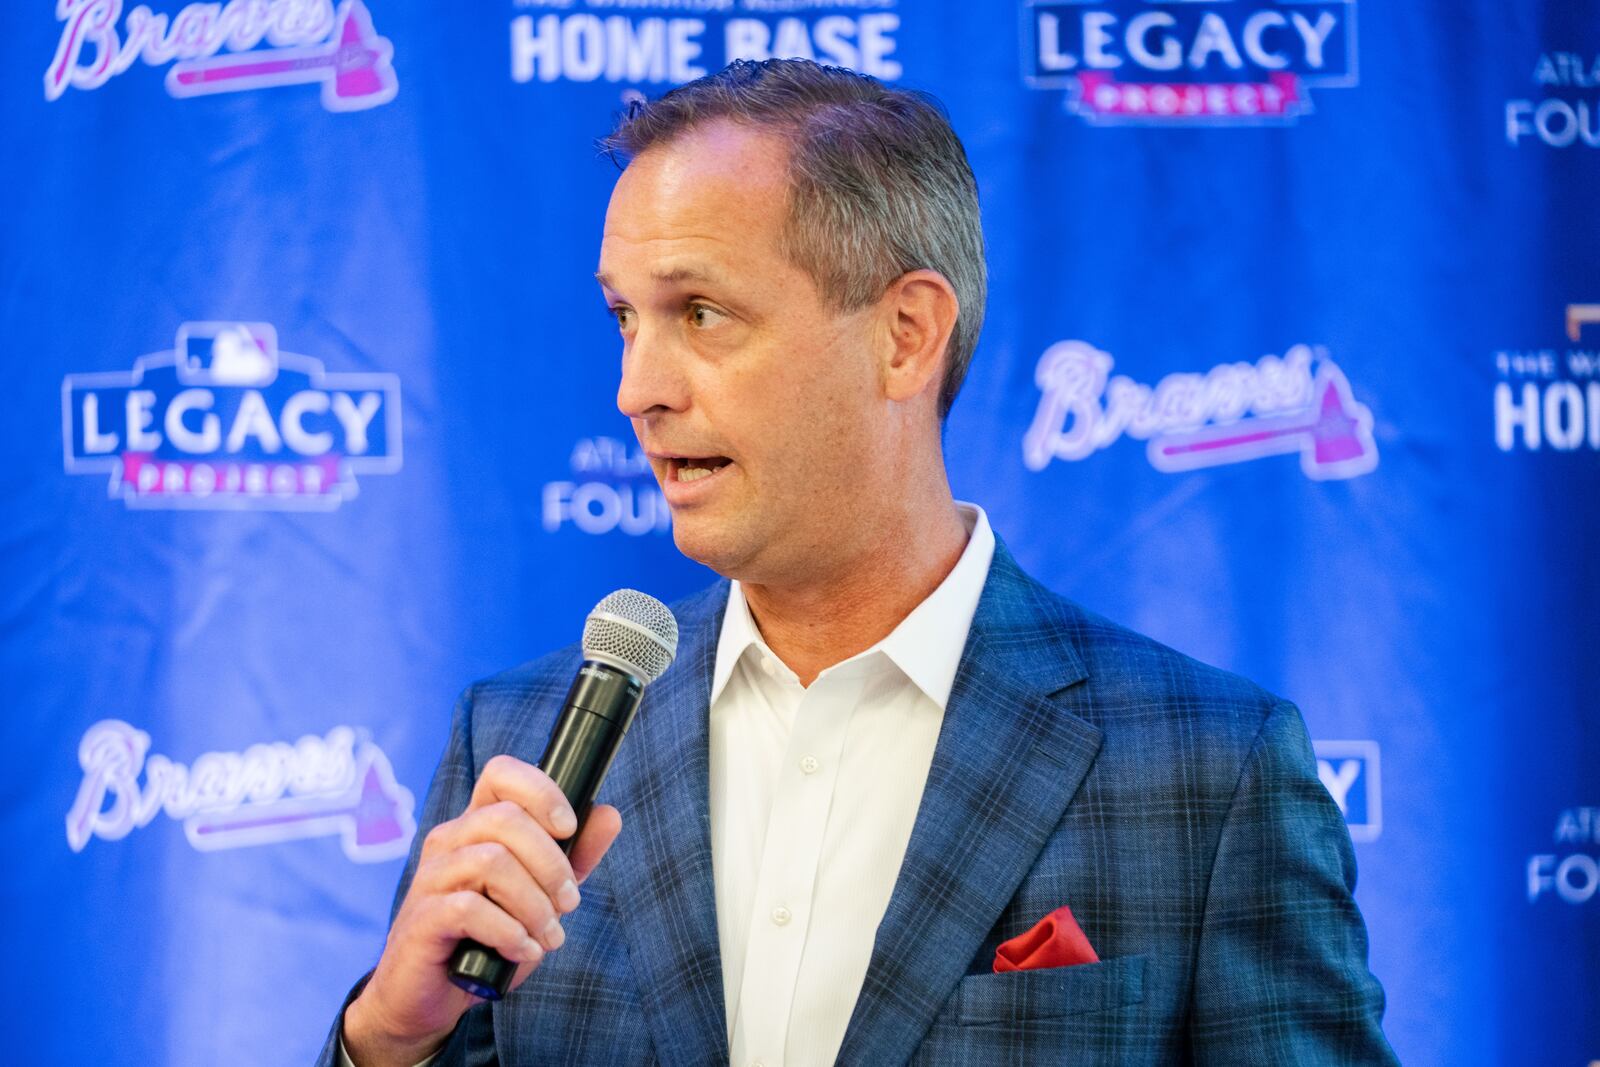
(1054,941)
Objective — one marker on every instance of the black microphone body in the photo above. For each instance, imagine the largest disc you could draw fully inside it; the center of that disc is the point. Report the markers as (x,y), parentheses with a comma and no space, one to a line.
(598,710)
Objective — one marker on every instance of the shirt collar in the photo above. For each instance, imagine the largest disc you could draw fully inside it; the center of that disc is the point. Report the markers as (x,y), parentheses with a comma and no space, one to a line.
(927,644)
(739,633)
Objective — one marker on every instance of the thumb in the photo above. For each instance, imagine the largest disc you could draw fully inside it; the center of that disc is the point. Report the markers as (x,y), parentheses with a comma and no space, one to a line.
(599,831)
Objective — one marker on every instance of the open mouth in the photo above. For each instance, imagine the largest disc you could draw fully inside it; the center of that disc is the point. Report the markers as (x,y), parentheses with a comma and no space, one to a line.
(693,468)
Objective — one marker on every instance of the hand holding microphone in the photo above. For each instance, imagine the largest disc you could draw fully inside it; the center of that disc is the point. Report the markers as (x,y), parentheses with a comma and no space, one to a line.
(491,885)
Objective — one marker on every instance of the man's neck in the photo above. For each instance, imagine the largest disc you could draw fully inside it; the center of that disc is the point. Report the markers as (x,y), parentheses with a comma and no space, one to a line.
(812,624)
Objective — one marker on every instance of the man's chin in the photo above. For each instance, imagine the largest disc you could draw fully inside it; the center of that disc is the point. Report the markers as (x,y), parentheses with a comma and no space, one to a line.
(708,545)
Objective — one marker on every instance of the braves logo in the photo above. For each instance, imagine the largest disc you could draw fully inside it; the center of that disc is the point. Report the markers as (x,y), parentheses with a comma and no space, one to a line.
(1179,62)
(225,420)
(1233,413)
(317,787)
(307,42)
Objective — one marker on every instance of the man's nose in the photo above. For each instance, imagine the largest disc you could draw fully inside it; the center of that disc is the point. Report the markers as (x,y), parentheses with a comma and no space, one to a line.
(652,378)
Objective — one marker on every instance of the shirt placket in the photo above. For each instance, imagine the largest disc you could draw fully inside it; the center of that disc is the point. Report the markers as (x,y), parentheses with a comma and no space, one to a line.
(781,909)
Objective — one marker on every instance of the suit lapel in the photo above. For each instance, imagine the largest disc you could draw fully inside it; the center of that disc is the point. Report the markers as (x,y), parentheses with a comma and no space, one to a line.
(664,892)
(1006,763)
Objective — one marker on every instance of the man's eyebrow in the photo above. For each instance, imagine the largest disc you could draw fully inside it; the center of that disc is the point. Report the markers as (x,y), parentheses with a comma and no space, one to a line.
(682,274)
(668,277)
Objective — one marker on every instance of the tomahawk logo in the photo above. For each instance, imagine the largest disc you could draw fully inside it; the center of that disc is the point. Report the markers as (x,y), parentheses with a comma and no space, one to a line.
(307,42)
(1188,62)
(225,420)
(336,785)
(1349,772)
(1234,412)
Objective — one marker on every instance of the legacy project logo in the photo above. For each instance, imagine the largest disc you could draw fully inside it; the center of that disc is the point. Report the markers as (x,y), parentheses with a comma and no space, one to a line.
(1188,62)
(1349,772)
(1235,412)
(225,420)
(218,48)
(340,784)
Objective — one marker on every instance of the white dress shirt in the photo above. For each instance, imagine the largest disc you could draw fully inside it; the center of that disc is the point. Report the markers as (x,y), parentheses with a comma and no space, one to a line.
(814,791)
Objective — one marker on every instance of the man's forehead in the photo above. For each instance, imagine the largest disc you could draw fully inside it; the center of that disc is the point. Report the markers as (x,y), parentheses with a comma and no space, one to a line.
(706,207)
(725,147)
(702,176)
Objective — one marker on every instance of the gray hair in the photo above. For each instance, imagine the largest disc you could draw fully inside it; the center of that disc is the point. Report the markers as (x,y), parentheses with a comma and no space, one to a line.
(879,184)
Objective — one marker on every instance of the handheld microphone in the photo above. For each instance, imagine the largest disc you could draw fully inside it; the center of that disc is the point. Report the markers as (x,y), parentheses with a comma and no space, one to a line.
(629,640)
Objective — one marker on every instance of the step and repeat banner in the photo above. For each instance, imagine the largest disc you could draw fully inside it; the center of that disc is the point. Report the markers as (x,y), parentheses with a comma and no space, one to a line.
(1292,361)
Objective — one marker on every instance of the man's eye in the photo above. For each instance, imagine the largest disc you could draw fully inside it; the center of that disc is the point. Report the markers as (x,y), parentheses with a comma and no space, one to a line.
(703,316)
(623,315)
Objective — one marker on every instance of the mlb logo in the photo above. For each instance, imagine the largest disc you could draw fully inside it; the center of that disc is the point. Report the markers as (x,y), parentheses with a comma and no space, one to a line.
(1349,771)
(227,353)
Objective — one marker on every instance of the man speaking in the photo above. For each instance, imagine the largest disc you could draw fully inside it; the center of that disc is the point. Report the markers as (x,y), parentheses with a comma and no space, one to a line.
(895,801)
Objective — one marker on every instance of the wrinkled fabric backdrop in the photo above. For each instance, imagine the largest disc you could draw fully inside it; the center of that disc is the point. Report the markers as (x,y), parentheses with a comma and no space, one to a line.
(1292,361)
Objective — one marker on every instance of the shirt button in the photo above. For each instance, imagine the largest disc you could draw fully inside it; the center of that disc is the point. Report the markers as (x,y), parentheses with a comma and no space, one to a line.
(780,915)
(809,764)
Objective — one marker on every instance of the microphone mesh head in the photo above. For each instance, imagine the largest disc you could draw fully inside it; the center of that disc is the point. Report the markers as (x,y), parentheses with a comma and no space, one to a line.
(633,631)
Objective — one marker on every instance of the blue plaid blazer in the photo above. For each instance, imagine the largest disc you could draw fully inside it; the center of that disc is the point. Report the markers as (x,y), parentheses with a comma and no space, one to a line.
(1174,807)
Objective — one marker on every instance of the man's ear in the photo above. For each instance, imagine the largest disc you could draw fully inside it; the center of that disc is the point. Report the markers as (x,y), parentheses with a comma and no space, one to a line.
(919,313)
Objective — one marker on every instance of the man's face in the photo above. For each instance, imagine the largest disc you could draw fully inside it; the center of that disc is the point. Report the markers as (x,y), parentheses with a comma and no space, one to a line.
(760,405)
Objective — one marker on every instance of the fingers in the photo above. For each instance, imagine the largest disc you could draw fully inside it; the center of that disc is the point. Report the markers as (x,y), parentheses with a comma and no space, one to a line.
(503,848)
(507,824)
(465,913)
(508,778)
(490,869)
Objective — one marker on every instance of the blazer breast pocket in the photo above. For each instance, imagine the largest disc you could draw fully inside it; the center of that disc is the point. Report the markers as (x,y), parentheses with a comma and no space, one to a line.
(1049,993)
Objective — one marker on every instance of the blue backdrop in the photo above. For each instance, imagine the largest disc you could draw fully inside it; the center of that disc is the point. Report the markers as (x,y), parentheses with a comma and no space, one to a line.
(1292,361)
